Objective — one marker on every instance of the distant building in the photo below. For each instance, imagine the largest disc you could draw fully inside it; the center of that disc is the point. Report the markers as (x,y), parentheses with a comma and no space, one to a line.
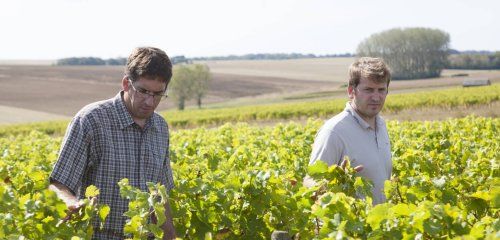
(476,82)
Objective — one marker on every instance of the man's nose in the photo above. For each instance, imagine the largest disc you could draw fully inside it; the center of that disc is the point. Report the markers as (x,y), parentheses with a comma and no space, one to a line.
(376,95)
(149,100)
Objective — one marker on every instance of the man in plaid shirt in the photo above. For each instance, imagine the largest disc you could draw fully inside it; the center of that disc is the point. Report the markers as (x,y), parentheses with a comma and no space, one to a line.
(118,138)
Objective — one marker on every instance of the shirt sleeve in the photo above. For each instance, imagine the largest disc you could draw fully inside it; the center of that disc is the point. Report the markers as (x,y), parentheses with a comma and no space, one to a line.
(73,156)
(167,179)
(327,147)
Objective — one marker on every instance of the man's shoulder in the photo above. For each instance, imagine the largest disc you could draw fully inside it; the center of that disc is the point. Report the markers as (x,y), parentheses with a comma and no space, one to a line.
(96,109)
(381,120)
(338,122)
(160,122)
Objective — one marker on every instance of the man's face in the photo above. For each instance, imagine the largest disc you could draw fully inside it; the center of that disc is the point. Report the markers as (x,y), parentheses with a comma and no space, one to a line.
(368,97)
(139,96)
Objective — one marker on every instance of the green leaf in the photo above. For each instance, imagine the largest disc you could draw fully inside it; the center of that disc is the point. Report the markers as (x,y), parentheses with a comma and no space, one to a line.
(160,213)
(377,215)
(318,168)
(403,209)
(157,231)
(103,212)
(48,219)
(91,191)
(482,195)
(432,227)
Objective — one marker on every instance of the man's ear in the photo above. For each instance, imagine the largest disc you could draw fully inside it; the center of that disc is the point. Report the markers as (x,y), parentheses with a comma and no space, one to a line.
(350,92)
(125,83)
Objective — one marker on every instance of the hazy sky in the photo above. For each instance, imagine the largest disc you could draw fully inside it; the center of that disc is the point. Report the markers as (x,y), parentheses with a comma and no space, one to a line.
(51,29)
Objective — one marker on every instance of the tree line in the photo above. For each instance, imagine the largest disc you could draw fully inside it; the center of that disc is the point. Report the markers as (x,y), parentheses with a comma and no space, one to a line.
(474,61)
(95,61)
(92,61)
(183,59)
(270,56)
(455,60)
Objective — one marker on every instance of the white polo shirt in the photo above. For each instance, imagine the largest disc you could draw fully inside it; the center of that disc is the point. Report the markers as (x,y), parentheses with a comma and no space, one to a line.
(347,134)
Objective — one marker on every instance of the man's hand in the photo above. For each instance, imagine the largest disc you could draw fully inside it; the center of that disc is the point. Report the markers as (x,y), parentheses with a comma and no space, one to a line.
(168,226)
(76,206)
(73,208)
(344,162)
(309,182)
(73,203)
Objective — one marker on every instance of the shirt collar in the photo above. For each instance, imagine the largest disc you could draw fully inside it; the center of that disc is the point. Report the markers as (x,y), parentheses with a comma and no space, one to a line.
(151,123)
(124,117)
(359,119)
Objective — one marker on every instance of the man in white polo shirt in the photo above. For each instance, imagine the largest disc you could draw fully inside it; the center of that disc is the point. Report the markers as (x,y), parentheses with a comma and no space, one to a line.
(359,132)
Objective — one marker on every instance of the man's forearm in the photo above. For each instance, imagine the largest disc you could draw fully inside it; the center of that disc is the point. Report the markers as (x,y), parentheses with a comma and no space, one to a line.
(168,226)
(64,194)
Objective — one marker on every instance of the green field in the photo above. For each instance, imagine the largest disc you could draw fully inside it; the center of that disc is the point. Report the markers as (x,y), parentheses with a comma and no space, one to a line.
(243,182)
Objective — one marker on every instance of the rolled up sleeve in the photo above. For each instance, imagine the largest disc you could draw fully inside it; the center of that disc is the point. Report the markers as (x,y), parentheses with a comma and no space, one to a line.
(168,178)
(73,156)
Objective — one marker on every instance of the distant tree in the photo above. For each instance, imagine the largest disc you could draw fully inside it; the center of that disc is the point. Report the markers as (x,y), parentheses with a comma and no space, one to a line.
(81,61)
(116,61)
(179,59)
(189,81)
(181,87)
(411,53)
(201,79)
(91,61)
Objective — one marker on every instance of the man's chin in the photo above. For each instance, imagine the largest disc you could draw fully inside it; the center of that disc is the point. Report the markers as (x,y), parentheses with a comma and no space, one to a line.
(145,115)
(375,110)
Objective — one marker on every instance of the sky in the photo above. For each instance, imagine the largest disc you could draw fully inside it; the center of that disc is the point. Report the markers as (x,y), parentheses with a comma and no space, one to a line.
(53,29)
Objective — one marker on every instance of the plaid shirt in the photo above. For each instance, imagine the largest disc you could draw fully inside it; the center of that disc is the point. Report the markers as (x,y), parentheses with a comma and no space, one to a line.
(103,145)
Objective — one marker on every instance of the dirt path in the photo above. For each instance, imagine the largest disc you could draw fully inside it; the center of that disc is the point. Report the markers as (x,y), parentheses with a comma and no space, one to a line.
(11,115)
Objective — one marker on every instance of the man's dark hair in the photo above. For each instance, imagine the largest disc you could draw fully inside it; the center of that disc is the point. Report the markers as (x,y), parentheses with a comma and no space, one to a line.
(149,62)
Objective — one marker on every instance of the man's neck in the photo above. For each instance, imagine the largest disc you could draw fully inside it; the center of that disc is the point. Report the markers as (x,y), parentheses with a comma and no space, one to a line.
(141,122)
(370,120)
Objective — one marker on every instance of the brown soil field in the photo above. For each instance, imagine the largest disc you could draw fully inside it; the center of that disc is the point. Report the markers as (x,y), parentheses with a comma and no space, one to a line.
(57,90)
(317,69)
(64,90)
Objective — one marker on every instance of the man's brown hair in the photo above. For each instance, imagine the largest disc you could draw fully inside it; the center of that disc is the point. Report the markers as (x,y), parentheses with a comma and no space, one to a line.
(373,69)
(149,62)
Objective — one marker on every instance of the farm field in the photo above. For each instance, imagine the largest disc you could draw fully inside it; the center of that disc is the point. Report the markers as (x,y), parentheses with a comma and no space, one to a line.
(319,69)
(63,90)
(442,100)
(436,104)
(244,182)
